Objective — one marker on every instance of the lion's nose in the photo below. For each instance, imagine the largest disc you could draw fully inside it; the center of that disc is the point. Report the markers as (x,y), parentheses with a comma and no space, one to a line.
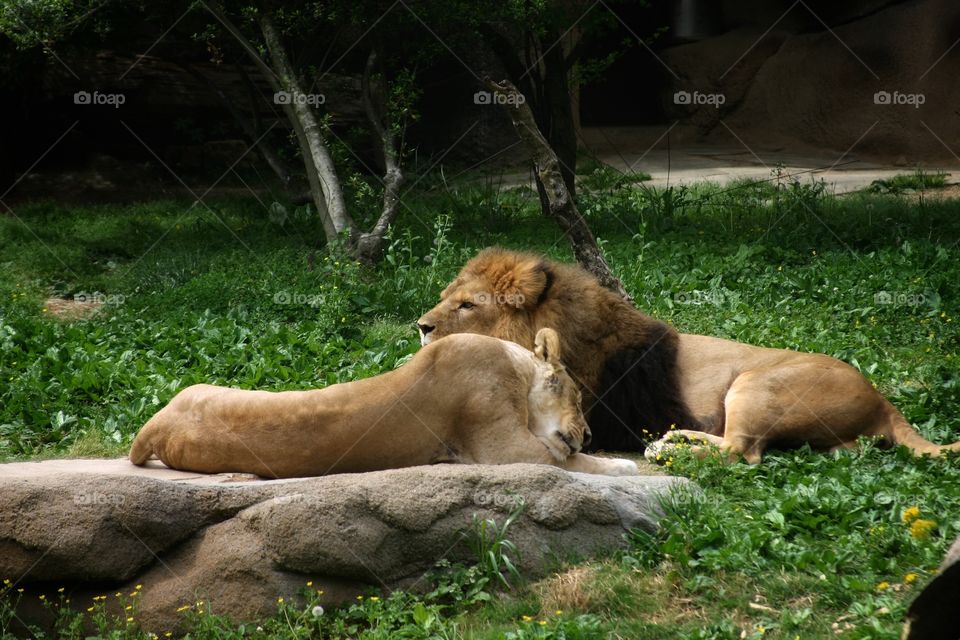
(425,328)
(587,436)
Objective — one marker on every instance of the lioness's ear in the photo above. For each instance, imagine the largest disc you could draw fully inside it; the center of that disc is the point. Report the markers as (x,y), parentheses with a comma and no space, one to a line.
(547,346)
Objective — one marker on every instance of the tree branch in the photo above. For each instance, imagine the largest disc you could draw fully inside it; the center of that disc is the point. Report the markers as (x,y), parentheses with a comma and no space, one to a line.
(370,245)
(561,206)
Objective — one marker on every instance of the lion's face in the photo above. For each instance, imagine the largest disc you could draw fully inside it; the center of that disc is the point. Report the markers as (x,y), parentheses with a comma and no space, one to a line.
(557,418)
(491,296)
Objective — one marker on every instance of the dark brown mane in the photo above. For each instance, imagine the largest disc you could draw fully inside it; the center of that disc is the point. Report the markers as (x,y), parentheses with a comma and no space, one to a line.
(624,360)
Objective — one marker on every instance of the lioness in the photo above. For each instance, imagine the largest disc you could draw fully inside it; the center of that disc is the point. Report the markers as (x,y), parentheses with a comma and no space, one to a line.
(639,376)
(467,399)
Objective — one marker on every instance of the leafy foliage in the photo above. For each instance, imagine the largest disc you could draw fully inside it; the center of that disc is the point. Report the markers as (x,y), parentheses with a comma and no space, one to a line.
(792,547)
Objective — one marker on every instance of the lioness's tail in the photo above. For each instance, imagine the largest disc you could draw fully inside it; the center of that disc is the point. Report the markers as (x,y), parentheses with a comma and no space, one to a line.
(902,432)
(144,444)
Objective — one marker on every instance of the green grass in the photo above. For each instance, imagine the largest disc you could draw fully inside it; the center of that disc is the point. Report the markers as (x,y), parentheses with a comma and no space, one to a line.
(916,181)
(792,547)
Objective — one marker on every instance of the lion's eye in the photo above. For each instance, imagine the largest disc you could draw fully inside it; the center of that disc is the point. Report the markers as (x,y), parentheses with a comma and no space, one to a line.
(466,304)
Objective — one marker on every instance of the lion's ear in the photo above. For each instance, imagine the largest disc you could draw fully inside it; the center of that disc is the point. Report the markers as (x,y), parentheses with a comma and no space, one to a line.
(547,346)
(529,282)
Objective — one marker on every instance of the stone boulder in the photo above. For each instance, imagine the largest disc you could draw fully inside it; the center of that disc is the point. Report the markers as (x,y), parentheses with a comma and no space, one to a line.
(238,543)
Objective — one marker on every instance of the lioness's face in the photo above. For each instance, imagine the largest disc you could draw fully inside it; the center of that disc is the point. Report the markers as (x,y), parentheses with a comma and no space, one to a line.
(556,415)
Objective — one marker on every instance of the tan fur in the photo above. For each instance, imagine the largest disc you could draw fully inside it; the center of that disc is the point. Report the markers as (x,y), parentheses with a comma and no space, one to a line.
(765,396)
(467,399)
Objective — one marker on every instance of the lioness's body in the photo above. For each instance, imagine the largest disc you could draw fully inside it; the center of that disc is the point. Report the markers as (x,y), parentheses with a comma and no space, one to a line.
(471,399)
(639,376)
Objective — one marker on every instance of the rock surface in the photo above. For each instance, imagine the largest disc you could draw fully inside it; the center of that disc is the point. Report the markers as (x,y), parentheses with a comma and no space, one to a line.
(818,86)
(238,543)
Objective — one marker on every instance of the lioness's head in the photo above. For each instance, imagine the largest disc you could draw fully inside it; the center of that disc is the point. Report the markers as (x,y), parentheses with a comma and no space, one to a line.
(555,410)
(493,295)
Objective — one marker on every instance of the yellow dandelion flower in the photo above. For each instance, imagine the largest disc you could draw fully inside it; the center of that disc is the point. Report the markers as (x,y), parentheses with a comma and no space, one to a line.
(920,529)
(138,587)
(374,599)
(168,634)
(558,612)
(542,622)
(60,590)
(130,619)
(128,607)
(89,609)
(359,597)
(280,600)
(883,586)
(309,583)
(526,618)
(910,514)
(43,597)
(910,578)
(118,594)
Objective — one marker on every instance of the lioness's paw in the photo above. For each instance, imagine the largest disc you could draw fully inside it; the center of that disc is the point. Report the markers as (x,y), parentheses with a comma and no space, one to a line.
(622,467)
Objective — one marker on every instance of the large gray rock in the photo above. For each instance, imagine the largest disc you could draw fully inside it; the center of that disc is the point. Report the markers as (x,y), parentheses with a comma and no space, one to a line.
(238,543)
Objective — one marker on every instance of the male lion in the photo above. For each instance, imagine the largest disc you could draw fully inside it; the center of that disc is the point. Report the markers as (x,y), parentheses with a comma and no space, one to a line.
(640,377)
(467,399)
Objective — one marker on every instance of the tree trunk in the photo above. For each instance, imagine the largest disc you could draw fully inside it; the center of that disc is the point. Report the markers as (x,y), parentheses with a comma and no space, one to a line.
(316,188)
(561,206)
(370,245)
(557,116)
(337,220)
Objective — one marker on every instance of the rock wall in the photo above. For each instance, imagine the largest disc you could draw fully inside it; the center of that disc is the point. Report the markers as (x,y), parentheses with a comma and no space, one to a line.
(880,85)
